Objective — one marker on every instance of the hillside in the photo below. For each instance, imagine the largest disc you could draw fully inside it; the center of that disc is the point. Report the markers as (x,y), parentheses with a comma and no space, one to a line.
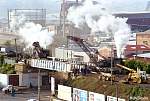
(92,83)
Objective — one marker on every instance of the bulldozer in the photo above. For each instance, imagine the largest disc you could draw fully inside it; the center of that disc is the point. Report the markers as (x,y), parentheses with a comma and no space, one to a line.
(134,76)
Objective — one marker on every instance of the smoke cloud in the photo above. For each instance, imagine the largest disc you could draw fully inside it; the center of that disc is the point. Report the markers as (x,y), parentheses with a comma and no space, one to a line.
(34,32)
(99,19)
(31,32)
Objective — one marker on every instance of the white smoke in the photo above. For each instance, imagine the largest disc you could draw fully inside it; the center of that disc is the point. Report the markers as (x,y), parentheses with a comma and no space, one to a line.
(16,21)
(98,19)
(34,32)
(31,32)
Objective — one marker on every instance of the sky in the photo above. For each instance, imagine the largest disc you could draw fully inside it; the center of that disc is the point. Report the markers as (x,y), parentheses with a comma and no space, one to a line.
(53,6)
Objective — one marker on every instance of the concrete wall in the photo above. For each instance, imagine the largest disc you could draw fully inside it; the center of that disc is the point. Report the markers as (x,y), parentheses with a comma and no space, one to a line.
(4,80)
(25,79)
(64,54)
(82,54)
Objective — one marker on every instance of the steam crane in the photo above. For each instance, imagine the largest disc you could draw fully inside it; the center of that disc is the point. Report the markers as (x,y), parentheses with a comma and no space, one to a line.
(38,52)
(91,52)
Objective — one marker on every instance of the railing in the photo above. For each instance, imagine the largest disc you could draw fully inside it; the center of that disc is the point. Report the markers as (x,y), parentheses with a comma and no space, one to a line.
(51,65)
(10,61)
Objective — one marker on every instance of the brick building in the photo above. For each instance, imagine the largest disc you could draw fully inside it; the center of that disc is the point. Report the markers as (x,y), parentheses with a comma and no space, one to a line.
(143,38)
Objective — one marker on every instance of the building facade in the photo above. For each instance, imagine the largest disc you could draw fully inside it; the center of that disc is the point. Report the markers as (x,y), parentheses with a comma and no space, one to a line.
(143,38)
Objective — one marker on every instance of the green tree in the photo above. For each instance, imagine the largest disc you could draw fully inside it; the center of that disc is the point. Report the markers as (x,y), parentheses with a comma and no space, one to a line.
(134,64)
(7,69)
(1,60)
(130,64)
(147,69)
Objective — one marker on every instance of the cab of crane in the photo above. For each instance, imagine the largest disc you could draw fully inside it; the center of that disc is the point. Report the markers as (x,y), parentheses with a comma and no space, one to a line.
(143,74)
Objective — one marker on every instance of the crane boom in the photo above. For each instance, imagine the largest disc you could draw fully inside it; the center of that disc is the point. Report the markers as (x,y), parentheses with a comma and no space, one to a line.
(131,70)
(91,52)
(86,49)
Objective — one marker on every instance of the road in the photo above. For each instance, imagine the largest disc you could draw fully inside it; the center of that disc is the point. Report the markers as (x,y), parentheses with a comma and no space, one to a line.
(24,96)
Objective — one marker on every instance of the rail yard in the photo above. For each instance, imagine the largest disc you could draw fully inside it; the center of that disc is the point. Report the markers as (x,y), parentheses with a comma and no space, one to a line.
(83,52)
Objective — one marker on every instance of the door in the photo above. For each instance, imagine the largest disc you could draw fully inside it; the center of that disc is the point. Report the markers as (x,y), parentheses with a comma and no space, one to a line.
(14,80)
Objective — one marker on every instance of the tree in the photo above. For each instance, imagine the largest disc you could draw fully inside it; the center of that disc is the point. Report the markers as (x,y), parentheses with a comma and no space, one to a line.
(1,60)
(130,64)
(7,69)
(134,64)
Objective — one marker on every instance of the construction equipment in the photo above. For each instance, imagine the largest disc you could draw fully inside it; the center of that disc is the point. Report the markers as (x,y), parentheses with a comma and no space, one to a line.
(107,76)
(93,55)
(134,76)
(38,52)
(91,52)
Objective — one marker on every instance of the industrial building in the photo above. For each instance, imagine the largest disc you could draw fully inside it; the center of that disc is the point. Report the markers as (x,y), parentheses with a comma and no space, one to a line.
(139,21)
(37,16)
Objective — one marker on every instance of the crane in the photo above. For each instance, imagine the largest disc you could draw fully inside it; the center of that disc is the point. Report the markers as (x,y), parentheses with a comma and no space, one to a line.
(91,52)
(93,55)
(134,76)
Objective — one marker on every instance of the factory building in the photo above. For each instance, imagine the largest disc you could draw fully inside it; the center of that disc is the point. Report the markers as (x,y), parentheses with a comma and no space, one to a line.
(139,21)
(77,54)
(37,16)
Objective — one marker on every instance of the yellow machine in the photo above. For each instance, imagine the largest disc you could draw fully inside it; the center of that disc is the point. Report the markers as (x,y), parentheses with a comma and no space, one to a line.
(135,76)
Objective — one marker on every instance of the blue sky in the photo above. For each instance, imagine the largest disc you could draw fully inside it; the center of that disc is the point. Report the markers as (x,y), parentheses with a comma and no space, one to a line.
(53,6)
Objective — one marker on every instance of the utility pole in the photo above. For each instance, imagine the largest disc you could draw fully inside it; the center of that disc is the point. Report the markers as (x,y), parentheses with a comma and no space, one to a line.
(64,17)
(111,63)
(39,84)
(136,46)
(16,49)
(117,91)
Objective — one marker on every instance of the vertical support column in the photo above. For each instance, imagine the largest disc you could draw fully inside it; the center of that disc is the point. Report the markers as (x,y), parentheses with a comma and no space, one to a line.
(39,85)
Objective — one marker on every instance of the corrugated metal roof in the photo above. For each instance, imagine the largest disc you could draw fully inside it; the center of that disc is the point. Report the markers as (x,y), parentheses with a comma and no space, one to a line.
(137,47)
(145,55)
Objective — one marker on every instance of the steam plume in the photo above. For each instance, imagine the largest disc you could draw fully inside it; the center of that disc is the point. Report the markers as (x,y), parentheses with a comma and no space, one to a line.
(31,32)
(34,32)
(98,19)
